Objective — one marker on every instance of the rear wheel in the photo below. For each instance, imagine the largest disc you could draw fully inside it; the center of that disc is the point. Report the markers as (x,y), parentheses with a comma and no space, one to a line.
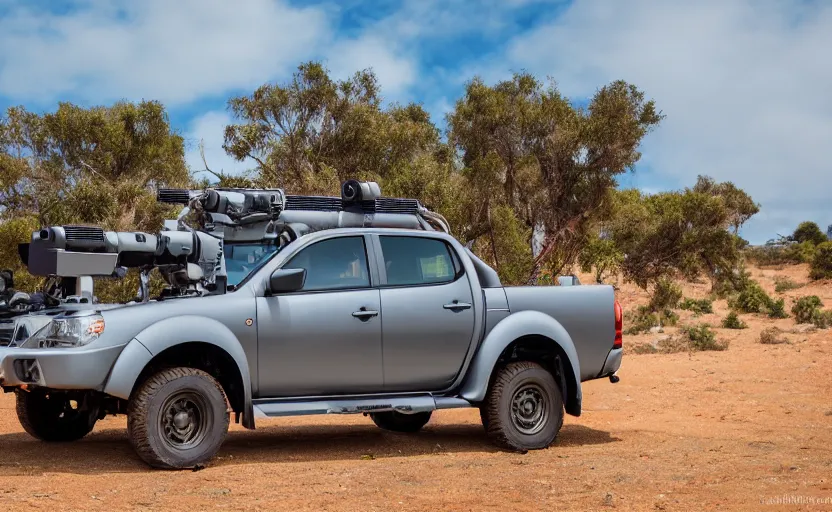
(400,422)
(524,407)
(53,416)
(178,418)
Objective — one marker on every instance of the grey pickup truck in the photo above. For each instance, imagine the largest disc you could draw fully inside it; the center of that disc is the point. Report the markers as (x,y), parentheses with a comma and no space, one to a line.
(394,323)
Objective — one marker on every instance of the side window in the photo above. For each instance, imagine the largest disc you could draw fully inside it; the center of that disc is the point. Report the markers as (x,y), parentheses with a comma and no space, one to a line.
(333,264)
(417,260)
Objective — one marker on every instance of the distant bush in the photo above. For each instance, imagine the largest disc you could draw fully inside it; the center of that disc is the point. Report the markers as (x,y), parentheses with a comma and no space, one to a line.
(701,338)
(822,319)
(777,309)
(666,295)
(805,309)
(786,254)
(784,284)
(698,306)
(809,232)
(733,321)
(643,319)
(771,336)
(821,267)
(752,299)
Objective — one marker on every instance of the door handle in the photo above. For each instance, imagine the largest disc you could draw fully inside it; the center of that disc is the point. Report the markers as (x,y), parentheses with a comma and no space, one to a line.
(365,314)
(457,305)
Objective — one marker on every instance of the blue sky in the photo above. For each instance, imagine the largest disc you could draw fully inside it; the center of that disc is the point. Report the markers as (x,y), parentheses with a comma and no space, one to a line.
(745,84)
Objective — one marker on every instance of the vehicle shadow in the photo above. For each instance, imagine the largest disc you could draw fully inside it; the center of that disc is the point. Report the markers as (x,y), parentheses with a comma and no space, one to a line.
(108,451)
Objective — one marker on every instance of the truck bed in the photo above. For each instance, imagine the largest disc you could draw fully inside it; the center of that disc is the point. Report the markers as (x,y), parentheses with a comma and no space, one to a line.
(586,312)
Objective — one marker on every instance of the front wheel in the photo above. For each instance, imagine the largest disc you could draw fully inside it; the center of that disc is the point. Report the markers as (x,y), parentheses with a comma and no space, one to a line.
(178,418)
(400,422)
(53,416)
(524,407)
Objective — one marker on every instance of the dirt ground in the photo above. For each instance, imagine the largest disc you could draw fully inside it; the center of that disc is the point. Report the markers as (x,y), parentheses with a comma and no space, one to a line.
(749,428)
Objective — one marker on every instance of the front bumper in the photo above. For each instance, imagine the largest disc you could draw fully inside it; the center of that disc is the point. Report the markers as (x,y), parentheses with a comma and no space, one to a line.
(73,368)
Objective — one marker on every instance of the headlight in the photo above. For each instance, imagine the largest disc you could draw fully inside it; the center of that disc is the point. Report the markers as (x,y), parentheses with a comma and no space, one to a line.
(68,332)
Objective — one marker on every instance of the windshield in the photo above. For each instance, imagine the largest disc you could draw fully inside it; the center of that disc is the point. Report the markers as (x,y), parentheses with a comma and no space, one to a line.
(243,259)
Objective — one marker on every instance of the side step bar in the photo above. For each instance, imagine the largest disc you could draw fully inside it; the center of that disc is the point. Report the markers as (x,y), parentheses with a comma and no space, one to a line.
(408,404)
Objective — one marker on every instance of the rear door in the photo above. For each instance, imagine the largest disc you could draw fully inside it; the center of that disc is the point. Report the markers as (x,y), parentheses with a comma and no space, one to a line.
(427,304)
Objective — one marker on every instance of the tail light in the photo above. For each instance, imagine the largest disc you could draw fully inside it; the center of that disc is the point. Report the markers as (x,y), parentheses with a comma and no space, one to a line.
(619,326)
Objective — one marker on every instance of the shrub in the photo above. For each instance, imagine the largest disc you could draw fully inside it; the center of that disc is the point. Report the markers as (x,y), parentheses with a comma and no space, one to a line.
(821,267)
(666,295)
(733,321)
(822,319)
(771,336)
(784,284)
(809,232)
(805,309)
(701,337)
(643,319)
(752,299)
(801,253)
(789,253)
(699,307)
(777,309)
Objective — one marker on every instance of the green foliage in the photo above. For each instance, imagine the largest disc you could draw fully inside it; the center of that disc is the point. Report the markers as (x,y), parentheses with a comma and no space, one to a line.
(643,319)
(809,232)
(701,338)
(784,284)
(602,255)
(752,299)
(526,146)
(677,232)
(666,295)
(698,306)
(772,336)
(806,309)
(98,165)
(776,309)
(821,267)
(739,204)
(730,282)
(792,253)
(822,319)
(733,321)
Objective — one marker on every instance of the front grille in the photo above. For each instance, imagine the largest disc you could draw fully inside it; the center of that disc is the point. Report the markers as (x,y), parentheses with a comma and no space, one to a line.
(83,233)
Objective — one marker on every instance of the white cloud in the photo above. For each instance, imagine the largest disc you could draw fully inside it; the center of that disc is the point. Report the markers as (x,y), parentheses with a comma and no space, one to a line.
(209,129)
(154,49)
(745,86)
(395,72)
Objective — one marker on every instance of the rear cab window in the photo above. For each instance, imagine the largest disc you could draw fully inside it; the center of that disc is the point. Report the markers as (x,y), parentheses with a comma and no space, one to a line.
(418,261)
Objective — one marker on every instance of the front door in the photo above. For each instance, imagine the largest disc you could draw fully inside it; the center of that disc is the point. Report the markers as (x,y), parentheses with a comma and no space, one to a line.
(326,338)
(428,325)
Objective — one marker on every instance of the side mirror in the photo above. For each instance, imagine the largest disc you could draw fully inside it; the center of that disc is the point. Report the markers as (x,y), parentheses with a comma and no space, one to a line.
(287,280)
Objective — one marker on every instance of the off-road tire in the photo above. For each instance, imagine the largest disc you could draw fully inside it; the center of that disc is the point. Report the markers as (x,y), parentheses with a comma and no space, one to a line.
(48,417)
(399,421)
(150,423)
(516,384)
